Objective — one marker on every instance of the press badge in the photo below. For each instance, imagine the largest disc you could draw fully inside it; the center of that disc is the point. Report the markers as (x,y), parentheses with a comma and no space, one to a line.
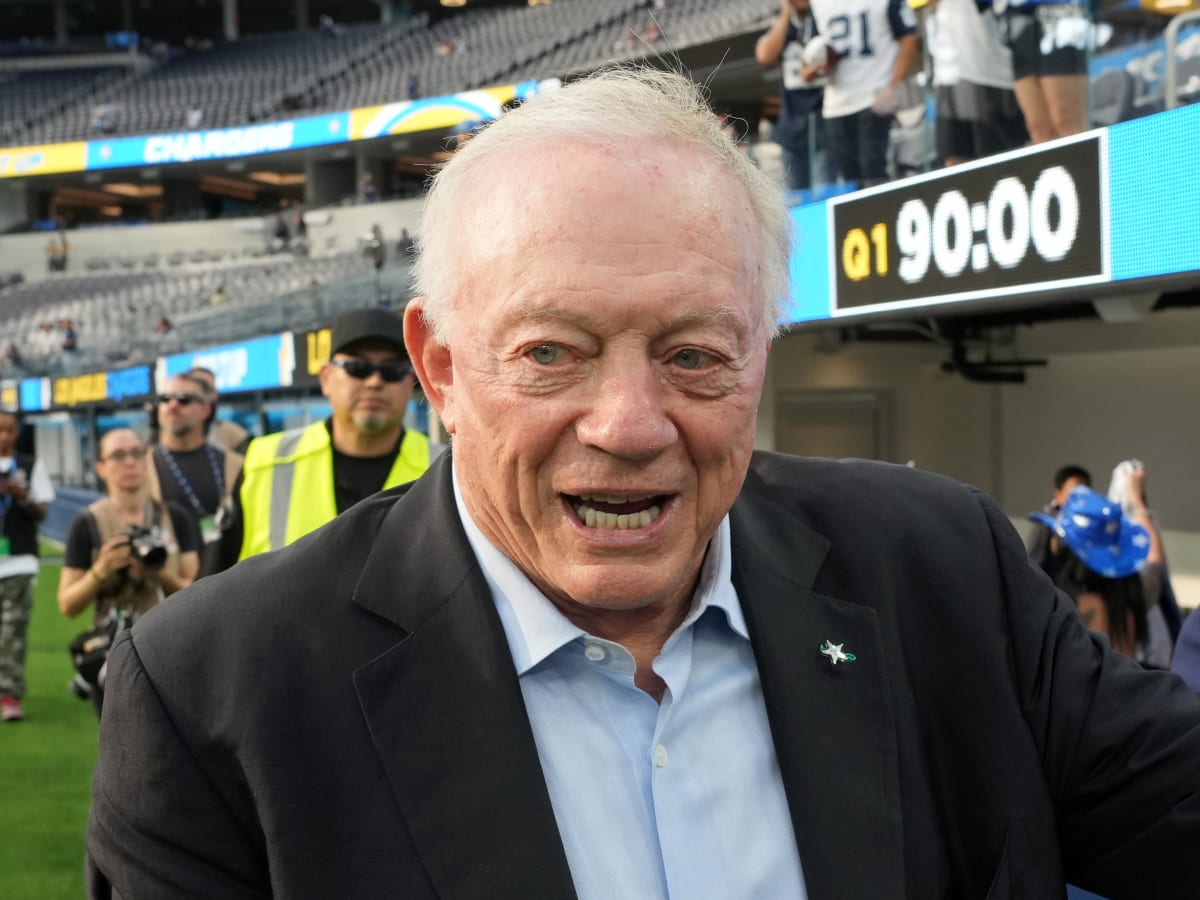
(209,532)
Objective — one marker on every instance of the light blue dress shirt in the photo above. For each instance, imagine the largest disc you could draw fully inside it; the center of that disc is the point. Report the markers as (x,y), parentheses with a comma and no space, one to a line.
(681,800)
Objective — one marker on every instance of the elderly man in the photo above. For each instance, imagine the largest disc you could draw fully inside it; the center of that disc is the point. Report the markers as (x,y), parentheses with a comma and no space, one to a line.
(602,649)
(296,481)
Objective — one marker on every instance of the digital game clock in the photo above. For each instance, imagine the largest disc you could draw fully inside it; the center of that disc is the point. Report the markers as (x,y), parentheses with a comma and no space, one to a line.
(1028,221)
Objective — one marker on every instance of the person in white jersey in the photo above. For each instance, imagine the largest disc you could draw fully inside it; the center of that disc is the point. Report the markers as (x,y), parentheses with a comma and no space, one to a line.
(876,43)
(977,111)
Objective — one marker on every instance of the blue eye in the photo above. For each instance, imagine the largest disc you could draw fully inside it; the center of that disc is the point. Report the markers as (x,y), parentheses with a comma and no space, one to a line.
(545,354)
(688,359)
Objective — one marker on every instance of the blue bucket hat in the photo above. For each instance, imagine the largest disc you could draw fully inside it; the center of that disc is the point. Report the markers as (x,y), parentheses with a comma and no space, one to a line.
(1108,542)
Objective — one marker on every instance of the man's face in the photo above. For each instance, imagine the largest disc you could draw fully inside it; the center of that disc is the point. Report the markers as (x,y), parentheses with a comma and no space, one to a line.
(369,406)
(122,462)
(603,374)
(184,414)
(8,434)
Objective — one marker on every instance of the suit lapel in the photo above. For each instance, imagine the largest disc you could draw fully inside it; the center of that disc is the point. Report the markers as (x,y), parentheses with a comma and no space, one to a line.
(833,724)
(446,715)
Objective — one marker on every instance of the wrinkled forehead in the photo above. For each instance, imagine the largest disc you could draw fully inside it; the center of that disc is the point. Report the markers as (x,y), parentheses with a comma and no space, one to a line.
(586,190)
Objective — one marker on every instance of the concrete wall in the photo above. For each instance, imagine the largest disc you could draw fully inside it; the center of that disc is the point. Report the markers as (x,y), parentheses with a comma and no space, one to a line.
(939,422)
(1110,392)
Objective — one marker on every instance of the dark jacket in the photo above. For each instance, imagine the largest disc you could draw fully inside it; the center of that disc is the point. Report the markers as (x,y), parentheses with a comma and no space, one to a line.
(342,718)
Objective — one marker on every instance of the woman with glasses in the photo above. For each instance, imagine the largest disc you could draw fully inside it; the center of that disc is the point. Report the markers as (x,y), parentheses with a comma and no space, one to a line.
(126,551)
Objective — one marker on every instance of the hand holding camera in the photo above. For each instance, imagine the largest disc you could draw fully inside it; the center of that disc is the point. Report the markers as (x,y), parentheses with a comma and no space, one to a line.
(136,550)
(115,554)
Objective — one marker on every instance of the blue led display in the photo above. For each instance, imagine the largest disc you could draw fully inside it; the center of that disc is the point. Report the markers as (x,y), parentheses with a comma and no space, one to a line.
(253,365)
(132,382)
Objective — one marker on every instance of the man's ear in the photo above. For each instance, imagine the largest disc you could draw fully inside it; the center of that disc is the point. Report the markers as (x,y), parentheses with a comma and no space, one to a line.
(323,378)
(431,361)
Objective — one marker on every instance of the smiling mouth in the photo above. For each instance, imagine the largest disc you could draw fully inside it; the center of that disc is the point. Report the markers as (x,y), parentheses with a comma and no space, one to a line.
(617,512)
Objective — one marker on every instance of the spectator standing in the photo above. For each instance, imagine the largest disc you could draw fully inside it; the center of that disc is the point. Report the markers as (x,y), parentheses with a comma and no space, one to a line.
(1049,40)
(223,432)
(1163,619)
(1112,566)
(70,340)
(876,44)
(367,192)
(977,111)
(56,258)
(281,233)
(375,248)
(405,246)
(800,127)
(217,297)
(296,481)
(188,470)
(1043,543)
(99,567)
(1128,488)
(25,494)
(12,359)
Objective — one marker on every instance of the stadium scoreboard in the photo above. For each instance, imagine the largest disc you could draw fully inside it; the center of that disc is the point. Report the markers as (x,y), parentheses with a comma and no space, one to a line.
(1069,219)
(1029,222)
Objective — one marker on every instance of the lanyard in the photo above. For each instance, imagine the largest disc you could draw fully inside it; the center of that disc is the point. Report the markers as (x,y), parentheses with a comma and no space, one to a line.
(181,479)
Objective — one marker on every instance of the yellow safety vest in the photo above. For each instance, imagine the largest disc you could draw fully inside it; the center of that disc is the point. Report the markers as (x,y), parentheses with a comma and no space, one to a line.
(287,484)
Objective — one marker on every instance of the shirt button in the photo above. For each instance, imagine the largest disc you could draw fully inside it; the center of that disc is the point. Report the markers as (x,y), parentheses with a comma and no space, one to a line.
(660,756)
(595,653)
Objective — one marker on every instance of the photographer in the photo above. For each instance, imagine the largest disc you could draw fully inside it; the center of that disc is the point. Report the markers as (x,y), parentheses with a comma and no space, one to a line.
(126,551)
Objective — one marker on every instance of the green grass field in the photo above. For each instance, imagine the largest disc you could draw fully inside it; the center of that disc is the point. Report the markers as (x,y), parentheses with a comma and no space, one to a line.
(46,764)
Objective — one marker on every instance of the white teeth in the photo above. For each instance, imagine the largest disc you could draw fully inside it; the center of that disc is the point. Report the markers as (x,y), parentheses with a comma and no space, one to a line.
(605,521)
(616,498)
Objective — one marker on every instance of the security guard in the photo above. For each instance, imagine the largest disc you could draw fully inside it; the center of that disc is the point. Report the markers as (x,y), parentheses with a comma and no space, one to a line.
(295,481)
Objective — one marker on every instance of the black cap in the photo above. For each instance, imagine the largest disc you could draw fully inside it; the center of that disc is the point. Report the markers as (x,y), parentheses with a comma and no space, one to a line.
(370,324)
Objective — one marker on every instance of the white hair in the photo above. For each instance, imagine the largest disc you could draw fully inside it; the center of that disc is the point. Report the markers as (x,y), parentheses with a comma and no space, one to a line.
(611,106)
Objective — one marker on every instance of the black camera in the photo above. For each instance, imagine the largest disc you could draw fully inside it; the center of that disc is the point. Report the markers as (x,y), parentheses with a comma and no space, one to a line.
(147,547)
(89,653)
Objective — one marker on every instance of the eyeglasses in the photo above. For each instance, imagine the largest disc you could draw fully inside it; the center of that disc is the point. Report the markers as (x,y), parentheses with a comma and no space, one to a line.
(180,398)
(390,371)
(121,455)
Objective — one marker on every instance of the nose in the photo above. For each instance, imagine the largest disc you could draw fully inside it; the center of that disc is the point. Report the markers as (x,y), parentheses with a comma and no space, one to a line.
(628,417)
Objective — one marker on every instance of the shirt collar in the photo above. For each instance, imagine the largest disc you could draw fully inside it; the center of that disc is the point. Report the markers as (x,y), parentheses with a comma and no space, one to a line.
(535,628)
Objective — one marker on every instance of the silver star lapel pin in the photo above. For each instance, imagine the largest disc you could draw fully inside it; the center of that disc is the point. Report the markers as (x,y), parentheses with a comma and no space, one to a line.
(835,653)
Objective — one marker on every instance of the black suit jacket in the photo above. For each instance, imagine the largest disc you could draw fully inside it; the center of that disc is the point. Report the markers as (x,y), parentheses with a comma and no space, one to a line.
(342,718)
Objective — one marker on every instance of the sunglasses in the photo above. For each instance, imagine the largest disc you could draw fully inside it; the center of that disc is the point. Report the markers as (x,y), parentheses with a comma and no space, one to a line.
(390,371)
(122,455)
(180,398)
